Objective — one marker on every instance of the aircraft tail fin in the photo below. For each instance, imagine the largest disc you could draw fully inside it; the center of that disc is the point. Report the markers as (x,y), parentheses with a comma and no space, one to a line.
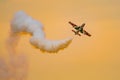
(83,25)
(76,33)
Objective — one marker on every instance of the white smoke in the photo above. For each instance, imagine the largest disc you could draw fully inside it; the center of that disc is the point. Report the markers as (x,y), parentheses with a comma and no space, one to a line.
(17,66)
(24,23)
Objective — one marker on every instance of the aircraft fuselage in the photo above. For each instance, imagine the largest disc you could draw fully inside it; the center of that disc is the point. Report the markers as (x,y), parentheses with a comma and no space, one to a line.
(80,28)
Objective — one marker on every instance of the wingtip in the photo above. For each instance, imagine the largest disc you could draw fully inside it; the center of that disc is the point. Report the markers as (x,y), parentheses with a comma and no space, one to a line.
(90,35)
(69,21)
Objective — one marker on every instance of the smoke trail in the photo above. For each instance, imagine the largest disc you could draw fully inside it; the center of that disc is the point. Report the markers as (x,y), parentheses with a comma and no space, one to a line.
(4,70)
(15,69)
(17,66)
(23,23)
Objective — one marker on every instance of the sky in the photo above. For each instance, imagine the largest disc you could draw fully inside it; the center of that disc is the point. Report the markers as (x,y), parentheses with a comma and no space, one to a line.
(86,58)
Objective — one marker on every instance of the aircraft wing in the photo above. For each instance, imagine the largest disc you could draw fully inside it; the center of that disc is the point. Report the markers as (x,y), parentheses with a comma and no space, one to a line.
(72,24)
(86,33)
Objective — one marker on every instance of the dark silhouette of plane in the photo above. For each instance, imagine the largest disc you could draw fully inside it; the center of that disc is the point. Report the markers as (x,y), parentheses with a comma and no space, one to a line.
(79,29)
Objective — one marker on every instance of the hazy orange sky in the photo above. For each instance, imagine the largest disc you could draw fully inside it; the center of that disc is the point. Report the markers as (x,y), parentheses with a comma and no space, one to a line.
(87,58)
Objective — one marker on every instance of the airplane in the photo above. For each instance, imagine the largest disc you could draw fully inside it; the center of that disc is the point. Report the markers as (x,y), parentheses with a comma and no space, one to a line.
(79,29)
